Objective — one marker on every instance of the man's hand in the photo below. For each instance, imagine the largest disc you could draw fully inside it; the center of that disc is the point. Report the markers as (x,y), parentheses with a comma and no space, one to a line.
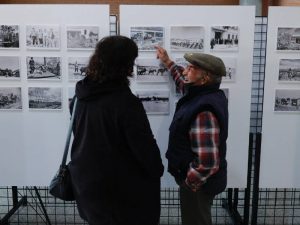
(162,54)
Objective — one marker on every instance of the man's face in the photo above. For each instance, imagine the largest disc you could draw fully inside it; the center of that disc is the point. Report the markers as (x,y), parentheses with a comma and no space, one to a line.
(193,74)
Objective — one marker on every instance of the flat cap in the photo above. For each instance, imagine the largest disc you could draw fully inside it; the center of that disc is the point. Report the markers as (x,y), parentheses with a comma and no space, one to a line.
(207,62)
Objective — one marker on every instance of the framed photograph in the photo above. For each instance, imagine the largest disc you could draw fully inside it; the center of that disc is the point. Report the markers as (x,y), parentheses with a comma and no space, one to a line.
(187,38)
(82,37)
(147,37)
(9,36)
(10,98)
(230,65)
(289,70)
(288,39)
(44,37)
(224,38)
(9,68)
(155,101)
(45,98)
(43,68)
(71,93)
(151,70)
(287,100)
(77,67)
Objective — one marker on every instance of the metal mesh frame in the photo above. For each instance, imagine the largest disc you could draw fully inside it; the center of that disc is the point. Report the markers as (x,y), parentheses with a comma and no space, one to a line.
(273,206)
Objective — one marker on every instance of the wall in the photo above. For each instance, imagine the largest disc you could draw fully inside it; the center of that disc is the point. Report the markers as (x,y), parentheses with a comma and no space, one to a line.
(114,4)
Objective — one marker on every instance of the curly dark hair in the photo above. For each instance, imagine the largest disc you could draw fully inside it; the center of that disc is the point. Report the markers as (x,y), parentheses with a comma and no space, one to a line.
(113,60)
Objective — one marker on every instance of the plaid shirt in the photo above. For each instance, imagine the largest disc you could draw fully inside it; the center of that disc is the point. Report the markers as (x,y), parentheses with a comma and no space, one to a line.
(204,137)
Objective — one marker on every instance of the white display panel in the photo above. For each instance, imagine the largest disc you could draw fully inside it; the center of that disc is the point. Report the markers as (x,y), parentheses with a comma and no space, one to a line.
(280,155)
(32,140)
(239,87)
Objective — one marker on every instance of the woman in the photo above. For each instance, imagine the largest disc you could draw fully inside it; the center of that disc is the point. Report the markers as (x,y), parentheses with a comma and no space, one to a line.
(115,161)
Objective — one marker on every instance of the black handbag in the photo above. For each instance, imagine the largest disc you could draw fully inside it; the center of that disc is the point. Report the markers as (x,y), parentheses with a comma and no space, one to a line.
(61,184)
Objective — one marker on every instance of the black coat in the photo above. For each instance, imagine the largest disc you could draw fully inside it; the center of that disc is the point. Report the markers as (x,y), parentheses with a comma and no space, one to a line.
(115,161)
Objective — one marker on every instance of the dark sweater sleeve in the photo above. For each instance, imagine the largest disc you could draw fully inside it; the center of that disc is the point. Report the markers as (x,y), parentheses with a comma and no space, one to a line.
(140,139)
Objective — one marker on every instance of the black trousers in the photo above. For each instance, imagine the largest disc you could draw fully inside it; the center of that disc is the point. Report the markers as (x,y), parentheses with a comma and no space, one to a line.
(195,207)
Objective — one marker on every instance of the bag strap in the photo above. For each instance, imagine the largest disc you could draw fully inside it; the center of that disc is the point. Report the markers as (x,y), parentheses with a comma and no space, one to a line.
(64,159)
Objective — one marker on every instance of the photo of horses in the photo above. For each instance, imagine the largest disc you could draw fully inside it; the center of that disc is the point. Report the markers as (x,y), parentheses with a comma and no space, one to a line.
(10,98)
(151,70)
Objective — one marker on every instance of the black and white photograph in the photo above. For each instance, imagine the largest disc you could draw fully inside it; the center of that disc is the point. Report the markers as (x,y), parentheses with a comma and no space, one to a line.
(230,66)
(147,37)
(9,68)
(287,100)
(288,39)
(224,38)
(10,98)
(45,37)
(45,98)
(77,67)
(151,70)
(43,68)
(187,38)
(9,36)
(82,37)
(289,70)
(71,93)
(154,101)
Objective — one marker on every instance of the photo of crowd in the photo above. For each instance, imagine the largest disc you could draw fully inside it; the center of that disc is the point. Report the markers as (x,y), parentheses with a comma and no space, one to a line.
(9,36)
(42,37)
(187,38)
(224,38)
(147,37)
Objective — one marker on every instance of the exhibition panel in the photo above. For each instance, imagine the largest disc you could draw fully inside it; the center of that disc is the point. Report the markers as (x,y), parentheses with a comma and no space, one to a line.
(224,31)
(43,52)
(281,120)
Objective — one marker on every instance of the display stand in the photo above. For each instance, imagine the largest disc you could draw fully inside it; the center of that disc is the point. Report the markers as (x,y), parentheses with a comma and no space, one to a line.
(255,196)
(23,202)
(231,203)
(16,205)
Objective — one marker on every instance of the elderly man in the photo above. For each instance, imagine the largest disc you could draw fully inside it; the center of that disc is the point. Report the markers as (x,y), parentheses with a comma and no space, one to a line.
(198,133)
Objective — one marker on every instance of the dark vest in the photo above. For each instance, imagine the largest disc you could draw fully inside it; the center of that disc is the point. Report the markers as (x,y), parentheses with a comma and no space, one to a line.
(179,153)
